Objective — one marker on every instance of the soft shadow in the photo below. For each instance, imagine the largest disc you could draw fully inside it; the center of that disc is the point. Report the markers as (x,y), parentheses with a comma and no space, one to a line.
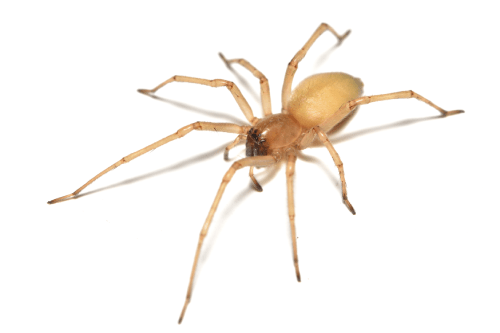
(322,58)
(244,83)
(330,170)
(215,114)
(346,137)
(263,178)
(195,159)
(366,131)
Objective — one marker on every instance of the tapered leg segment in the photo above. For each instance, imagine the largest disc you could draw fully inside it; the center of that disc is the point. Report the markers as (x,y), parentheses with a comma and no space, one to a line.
(199,126)
(256,184)
(248,161)
(290,171)
(338,162)
(347,108)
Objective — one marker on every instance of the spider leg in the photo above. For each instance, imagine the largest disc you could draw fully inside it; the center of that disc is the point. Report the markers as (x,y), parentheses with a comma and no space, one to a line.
(290,171)
(236,141)
(338,162)
(199,126)
(346,108)
(256,184)
(293,65)
(247,161)
(231,86)
(265,94)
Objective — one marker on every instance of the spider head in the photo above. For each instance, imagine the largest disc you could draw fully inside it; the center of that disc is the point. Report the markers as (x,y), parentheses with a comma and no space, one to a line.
(256,144)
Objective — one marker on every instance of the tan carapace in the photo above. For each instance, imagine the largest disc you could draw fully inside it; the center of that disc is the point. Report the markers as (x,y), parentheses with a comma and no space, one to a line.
(316,105)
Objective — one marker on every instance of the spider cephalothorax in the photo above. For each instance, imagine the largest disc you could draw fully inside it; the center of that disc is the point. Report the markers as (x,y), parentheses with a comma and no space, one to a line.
(272,134)
(256,144)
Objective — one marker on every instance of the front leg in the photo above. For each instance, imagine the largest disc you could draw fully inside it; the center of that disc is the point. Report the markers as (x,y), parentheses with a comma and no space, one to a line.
(198,126)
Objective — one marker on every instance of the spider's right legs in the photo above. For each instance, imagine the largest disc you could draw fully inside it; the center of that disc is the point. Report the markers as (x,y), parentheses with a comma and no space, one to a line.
(292,66)
(244,162)
(199,126)
(338,162)
(231,86)
(290,171)
(265,94)
(347,108)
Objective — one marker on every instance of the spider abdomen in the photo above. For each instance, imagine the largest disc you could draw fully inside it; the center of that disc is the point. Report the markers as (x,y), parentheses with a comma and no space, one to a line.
(272,132)
(319,96)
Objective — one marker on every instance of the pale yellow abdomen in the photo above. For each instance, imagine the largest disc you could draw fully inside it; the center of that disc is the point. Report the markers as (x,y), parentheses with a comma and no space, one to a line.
(320,96)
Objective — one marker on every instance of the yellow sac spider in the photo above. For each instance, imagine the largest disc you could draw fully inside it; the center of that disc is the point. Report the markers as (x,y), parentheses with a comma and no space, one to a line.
(315,106)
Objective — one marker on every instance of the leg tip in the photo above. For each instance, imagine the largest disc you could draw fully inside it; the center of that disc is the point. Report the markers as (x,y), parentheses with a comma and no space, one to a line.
(64,198)
(346,34)
(350,207)
(257,187)
(450,113)
(223,59)
(146,92)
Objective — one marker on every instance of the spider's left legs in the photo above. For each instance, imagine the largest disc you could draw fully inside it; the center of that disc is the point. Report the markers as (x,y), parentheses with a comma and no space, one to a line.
(247,161)
(265,94)
(338,162)
(292,66)
(231,86)
(290,171)
(198,126)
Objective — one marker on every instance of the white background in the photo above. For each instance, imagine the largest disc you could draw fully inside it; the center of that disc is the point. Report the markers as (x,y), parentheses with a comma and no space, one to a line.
(422,253)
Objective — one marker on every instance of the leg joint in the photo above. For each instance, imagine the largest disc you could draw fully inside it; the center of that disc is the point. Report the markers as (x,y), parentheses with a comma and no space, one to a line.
(186,129)
(236,166)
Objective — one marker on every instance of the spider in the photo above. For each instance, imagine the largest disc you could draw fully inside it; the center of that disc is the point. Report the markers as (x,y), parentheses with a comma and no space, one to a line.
(314,107)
